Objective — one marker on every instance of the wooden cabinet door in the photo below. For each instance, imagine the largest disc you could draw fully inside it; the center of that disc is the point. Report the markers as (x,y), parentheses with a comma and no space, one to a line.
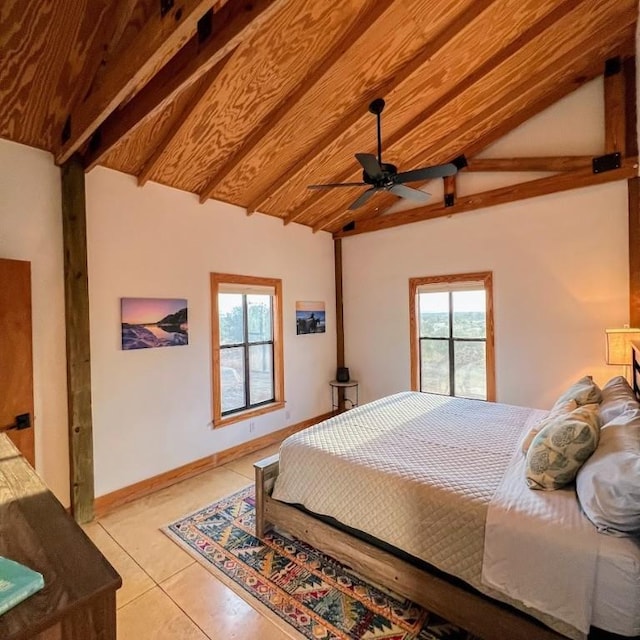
(16,355)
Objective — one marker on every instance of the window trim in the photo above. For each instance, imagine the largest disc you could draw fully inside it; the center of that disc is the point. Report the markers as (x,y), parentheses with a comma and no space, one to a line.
(484,277)
(218,279)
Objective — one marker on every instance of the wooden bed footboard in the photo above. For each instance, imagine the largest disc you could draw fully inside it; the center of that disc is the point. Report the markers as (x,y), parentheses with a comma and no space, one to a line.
(474,612)
(266,472)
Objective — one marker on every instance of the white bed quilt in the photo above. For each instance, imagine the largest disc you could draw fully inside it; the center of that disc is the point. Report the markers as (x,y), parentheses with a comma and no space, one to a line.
(426,473)
(432,450)
(541,549)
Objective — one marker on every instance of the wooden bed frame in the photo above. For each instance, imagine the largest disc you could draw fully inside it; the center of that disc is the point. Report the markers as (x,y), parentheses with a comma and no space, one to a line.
(471,610)
(479,614)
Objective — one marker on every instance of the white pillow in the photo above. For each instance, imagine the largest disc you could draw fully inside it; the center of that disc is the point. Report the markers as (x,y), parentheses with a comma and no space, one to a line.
(608,485)
(617,398)
(584,391)
(561,448)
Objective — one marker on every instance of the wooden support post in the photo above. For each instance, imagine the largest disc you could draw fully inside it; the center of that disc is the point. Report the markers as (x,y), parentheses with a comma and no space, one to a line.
(634,252)
(614,107)
(337,244)
(76,289)
(629,68)
(449,191)
(631,145)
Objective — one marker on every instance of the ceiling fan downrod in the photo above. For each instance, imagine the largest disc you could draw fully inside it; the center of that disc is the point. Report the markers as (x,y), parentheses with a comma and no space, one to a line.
(376,107)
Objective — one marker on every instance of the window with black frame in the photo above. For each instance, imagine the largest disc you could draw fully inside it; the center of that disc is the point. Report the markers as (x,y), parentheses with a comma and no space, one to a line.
(247,369)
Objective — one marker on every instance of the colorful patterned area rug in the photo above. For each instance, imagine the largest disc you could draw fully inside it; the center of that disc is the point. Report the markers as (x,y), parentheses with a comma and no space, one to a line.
(312,592)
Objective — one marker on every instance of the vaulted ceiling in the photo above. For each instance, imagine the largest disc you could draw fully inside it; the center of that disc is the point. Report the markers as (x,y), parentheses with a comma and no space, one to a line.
(249,102)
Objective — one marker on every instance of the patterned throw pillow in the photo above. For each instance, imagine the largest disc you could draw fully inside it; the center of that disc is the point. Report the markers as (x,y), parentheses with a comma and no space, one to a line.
(562,447)
(558,409)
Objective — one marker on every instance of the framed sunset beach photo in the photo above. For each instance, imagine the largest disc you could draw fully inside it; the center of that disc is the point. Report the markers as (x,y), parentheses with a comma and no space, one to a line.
(148,323)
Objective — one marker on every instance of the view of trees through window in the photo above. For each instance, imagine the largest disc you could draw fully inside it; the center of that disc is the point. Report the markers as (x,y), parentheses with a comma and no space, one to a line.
(246,350)
(453,331)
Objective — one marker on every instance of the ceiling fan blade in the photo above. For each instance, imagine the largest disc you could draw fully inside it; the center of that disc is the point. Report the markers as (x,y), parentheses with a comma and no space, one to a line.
(408,192)
(337,184)
(363,198)
(426,173)
(370,165)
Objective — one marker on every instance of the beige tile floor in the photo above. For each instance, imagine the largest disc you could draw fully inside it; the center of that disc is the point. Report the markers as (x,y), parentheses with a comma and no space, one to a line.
(166,594)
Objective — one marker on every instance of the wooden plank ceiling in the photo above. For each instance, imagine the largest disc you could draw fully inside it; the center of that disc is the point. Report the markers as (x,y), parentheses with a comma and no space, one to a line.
(250,103)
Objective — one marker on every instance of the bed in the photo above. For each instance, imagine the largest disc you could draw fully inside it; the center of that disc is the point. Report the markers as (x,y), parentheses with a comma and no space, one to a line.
(402,490)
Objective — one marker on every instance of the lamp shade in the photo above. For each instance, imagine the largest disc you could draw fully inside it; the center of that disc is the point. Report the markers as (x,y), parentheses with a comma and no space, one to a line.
(619,345)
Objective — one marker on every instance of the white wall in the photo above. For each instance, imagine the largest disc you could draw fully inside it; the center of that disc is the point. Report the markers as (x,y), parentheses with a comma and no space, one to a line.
(152,407)
(31,229)
(560,266)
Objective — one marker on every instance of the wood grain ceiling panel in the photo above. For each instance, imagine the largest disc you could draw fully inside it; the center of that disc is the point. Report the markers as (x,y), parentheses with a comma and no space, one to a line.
(132,152)
(379,55)
(370,12)
(289,105)
(159,39)
(41,48)
(571,36)
(217,37)
(261,73)
(458,64)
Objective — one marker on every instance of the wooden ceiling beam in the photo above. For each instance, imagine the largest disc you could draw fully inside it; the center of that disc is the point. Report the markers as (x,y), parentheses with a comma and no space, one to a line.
(157,41)
(356,112)
(477,75)
(369,13)
(504,195)
(107,30)
(236,22)
(181,122)
(553,164)
(567,64)
(578,79)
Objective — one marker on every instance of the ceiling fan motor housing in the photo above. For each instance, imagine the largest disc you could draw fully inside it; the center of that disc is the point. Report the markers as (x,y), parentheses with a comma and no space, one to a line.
(388,171)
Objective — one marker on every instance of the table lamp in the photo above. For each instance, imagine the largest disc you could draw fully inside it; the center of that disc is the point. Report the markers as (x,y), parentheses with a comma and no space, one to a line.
(619,346)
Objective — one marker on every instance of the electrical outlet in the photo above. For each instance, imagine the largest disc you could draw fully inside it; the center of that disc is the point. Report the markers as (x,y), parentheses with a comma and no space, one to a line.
(287,415)
(251,426)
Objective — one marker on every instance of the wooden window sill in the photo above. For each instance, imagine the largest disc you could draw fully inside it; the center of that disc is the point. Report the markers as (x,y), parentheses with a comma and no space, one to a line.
(246,415)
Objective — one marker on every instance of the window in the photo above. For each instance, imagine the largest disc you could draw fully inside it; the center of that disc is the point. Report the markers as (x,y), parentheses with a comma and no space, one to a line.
(248,376)
(451,319)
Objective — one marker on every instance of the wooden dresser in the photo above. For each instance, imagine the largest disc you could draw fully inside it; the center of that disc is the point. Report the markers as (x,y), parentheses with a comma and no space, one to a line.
(78,601)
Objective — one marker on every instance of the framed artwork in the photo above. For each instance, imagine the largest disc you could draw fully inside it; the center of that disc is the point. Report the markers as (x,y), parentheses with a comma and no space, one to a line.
(310,317)
(153,322)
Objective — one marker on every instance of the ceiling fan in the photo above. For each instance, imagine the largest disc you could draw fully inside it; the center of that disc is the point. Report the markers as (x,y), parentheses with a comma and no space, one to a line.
(381,176)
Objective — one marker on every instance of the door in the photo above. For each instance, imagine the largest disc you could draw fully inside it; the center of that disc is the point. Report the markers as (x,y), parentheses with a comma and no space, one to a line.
(16,356)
